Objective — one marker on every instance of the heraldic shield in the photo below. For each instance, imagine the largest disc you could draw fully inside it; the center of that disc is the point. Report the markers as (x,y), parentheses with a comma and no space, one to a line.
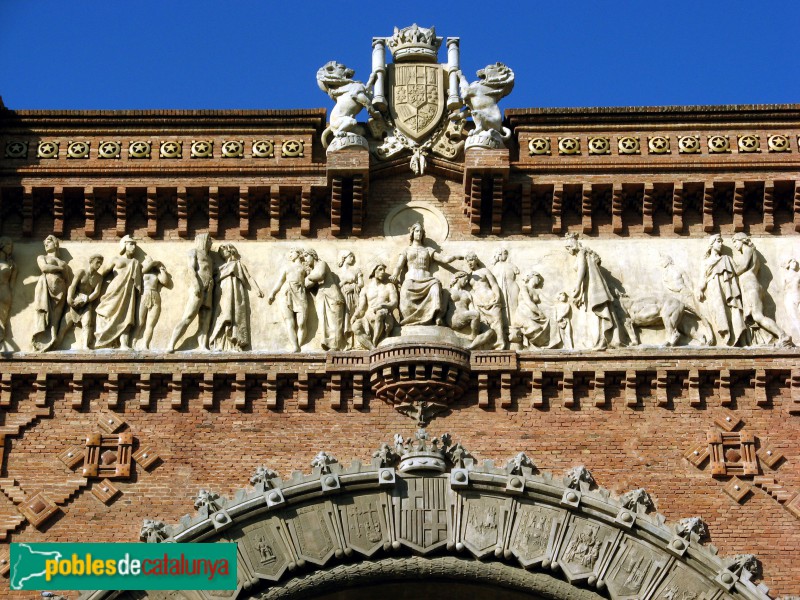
(417,98)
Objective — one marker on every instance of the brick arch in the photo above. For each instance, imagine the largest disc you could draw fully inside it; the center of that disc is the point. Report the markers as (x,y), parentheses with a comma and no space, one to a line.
(434,511)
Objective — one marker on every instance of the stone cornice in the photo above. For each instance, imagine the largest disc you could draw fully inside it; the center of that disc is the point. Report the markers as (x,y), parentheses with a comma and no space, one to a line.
(716,114)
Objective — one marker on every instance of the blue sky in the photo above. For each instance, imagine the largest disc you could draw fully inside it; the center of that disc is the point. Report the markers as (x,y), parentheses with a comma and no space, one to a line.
(139,54)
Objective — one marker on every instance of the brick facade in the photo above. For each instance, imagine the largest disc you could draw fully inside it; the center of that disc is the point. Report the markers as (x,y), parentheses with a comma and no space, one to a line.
(633,417)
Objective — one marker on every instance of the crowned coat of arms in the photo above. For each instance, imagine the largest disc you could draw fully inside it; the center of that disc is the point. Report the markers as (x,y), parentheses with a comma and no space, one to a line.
(416,104)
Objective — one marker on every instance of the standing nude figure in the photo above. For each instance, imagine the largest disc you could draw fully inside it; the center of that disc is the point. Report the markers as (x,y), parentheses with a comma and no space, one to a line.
(748,264)
(201,293)
(51,292)
(81,298)
(295,305)
(154,277)
(8,277)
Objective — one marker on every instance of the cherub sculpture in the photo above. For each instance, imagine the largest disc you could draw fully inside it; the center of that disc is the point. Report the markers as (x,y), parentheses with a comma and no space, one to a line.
(494,83)
(350,96)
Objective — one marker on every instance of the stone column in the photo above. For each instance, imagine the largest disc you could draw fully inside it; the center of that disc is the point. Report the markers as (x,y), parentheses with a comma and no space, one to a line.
(379,70)
(453,67)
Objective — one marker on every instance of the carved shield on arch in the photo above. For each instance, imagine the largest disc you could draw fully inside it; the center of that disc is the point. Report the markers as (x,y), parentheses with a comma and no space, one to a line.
(417,98)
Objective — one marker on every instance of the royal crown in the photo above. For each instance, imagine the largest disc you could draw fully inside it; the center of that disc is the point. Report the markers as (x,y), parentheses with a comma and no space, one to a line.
(414,43)
(422,453)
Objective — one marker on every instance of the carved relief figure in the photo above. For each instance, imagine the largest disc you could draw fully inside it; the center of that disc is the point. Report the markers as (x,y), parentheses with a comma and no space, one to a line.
(563,310)
(506,275)
(583,548)
(591,293)
(494,83)
(201,293)
(295,305)
(329,300)
(154,277)
(351,281)
(50,294)
(487,298)
(534,327)
(465,316)
(677,284)
(82,295)
(231,328)
(373,320)
(748,264)
(350,96)
(421,293)
(721,296)
(791,293)
(116,311)
(8,277)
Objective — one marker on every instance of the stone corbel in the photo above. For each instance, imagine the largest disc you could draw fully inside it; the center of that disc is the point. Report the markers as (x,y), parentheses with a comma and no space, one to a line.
(768,206)
(587,194)
(40,390)
(599,386)
(677,208)
(5,390)
(568,389)
(27,211)
(302,385)
(121,211)
(794,406)
(240,391)
(483,390)
(272,390)
(557,208)
(152,212)
(245,210)
(482,165)
(708,207)
(89,229)
(359,390)
(176,391)
(274,202)
(145,388)
(58,211)
(348,173)
(695,379)
(761,382)
(537,389)
(183,212)
(662,393)
(617,195)
(739,193)
(111,387)
(207,391)
(725,387)
(631,391)
(336,385)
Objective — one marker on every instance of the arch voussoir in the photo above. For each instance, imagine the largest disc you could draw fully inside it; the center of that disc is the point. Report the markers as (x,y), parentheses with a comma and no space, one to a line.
(426,504)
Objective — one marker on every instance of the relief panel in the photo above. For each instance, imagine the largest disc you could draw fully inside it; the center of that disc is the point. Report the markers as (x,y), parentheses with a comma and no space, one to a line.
(534,532)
